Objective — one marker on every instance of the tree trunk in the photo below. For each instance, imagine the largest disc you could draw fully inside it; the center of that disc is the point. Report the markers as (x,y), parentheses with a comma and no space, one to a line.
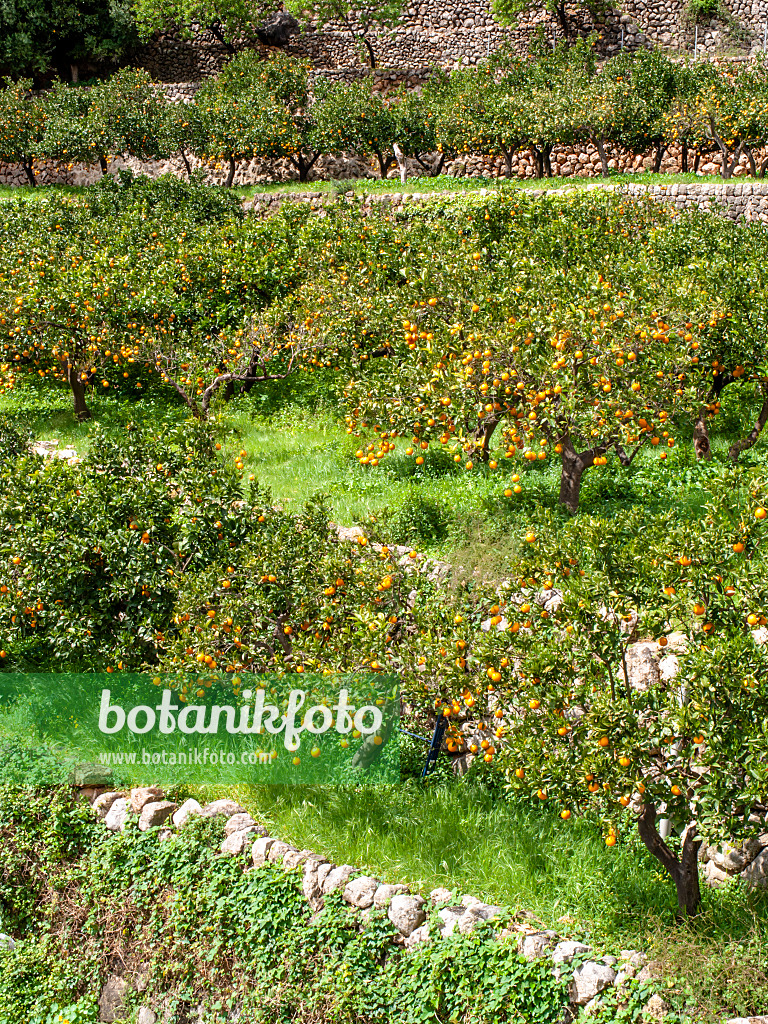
(684,157)
(547,151)
(103,164)
(751,158)
(400,157)
(186,162)
(751,439)
(701,439)
(485,431)
(82,412)
(683,871)
(696,161)
(231,172)
(660,151)
(27,164)
(369,48)
(508,154)
(572,469)
(600,144)
(563,21)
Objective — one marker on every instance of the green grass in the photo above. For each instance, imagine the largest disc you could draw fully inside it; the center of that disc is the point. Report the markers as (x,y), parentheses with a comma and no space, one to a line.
(425,185)
(461,836)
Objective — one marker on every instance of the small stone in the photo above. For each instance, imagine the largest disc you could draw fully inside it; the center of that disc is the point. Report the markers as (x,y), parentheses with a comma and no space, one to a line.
(144,795)
(117,815)
(225,807)
(655,1009)
(588,980)
(6,942)
(385,893)
(146,1016)
(112,1001)
(360,891)
(406,913)
(187,809)
(103,803)
(155,813)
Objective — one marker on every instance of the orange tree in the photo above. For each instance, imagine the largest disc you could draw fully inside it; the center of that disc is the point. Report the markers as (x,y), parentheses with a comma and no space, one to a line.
(21,124)
(541,319)
(242,116)
(728,111)
(576,726)
(121,115)
(166,278)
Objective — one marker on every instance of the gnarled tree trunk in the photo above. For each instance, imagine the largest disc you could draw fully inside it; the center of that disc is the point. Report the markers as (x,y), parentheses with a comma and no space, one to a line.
(684,870)
(751,439)
(82,412)
(701,438)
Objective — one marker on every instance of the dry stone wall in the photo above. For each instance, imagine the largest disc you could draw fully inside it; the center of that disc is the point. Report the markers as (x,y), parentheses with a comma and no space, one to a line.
(448,33)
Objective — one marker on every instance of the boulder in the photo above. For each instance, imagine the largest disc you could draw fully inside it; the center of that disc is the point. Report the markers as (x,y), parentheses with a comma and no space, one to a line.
(450,919)
(360,891)
(406,913)
(112,1001)
(655,1009)
(6,942)
(117,815)
(238,822)
(225,807)
(312,881)
(187,809)
(643,665)
(337,878)
(418,935)
(564,952)
(756,873)
(590,979)
(734,858)
(536,945)
(260,850)
(144,795)
(155,813)
(238,843)
(295,858)
(278,850)
(440,895)
(385,893)
(103,803)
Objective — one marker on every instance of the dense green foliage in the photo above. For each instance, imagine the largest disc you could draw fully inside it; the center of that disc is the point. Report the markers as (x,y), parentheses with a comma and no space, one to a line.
(640,102)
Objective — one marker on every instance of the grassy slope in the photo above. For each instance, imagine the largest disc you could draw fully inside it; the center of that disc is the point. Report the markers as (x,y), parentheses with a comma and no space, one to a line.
(443,183)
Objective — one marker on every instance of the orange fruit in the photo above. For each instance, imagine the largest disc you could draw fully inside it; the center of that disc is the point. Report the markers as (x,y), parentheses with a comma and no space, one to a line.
(760,513)
(565,814)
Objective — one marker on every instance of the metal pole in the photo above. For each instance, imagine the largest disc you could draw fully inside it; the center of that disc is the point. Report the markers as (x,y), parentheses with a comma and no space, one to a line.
(696,43)
(434,747)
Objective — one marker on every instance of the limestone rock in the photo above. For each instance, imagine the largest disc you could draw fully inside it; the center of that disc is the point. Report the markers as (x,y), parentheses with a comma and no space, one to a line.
(756,873)
(237,843)
(360,891)
(6,942)
(238,822)
(643,665)
(655,1009)
(312,882)
(589,980)
(155,813)
(260,850)
(278,850)
(537,945)
(185,812)
(385,893)
(762,1019)
(440,895)
(734,858)
(294,858)
(112,1001)
(144,795)
(225,807)
(418,935)
(103,803)
(564,952)
(450,919)
(146,1016)
(406,913)
(337,878)
(117,815)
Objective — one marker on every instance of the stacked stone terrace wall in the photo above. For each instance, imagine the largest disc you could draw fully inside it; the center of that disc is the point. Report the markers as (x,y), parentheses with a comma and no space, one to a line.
(448,33)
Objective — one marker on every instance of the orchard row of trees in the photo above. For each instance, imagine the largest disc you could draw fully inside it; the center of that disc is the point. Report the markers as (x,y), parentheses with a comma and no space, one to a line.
(269,108)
